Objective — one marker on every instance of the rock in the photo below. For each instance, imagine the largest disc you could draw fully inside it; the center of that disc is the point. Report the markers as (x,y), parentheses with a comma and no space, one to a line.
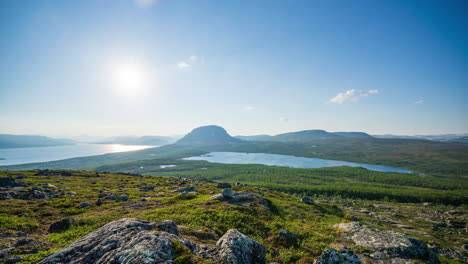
(393,244)
(186,189)
(14,260)
(134,241)
(24,215)
(61,226)
(50,186)
(287,234)
(4,253)
(307,200)
(111,197)
(5,196)
(228,193)
(333,256)
(236,248)
(244,199)
(224,185)
(129,241)
(23,241)
(123,198)
(99,202)
(71,193)
(9,182)
(168,226)
(20,234)
(85,204)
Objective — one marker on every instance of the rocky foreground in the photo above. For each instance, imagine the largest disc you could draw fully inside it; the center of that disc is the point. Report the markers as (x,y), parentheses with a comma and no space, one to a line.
(134,241)
(85,217)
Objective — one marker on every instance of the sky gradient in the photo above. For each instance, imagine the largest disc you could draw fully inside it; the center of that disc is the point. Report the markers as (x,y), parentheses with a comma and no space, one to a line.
(145,67)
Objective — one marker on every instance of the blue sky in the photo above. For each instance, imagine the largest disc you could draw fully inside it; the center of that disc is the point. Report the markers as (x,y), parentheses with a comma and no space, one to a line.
(145,67)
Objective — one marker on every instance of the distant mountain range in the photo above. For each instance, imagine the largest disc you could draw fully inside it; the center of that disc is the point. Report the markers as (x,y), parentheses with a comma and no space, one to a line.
(145,140)
(306,135)
(462,138)
(30,141)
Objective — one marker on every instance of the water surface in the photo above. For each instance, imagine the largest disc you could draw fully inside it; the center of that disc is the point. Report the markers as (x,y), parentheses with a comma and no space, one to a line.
(16,156)
(286,161)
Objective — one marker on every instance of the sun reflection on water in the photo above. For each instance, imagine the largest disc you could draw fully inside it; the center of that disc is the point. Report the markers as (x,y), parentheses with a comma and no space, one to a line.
(125,148)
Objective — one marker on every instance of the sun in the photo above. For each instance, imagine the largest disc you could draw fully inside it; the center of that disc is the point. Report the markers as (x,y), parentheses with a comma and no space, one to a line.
(129,79)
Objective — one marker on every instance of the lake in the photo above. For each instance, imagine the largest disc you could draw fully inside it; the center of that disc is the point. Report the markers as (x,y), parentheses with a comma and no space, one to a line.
(286,161)
(16,156)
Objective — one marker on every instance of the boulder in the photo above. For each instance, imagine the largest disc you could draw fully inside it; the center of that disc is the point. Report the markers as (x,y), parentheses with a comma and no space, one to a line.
(123,198)
(228,193)
(236,248)
(61,226)
(168,226)
(333,256)
(393,244)
(287,234)
(307,200)
(23,241)
(85,204)
(99,202)
(14,260)
(186,189)
(127,240)
(9,182)
(224,185)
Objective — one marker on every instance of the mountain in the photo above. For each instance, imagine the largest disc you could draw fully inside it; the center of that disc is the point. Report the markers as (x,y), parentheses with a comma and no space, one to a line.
(306,135)
(255,138)
(461,138)
(303,136)
(353,134)
(207,135)
(145,140)
(30,141)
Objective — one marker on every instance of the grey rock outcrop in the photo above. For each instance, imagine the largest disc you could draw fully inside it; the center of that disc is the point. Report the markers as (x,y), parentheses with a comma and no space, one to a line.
(236,248)
(333,256)
(134,241)
(122,241)
(391,244)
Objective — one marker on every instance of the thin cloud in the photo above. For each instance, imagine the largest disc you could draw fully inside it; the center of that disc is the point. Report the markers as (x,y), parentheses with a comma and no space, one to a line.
(183,65)
(247,108)
(352,96)
(284,119)
(189,62)
(418,102)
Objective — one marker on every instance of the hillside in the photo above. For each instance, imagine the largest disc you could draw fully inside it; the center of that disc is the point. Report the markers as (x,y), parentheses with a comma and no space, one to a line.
(48,210)
(305,136)
(144,140)
(31,141)
(207,135)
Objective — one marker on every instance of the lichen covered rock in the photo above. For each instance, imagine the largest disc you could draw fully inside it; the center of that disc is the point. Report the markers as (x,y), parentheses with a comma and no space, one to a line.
(236,248)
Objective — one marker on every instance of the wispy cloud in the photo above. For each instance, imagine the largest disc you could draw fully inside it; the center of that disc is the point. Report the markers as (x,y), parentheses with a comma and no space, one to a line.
(145,3)
(183,65)
(418,101)
(283,119)
(247,108)
(352,96)
(188,62)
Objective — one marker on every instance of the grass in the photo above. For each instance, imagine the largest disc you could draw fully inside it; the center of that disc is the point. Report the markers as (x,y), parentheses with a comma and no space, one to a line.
(202,220)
